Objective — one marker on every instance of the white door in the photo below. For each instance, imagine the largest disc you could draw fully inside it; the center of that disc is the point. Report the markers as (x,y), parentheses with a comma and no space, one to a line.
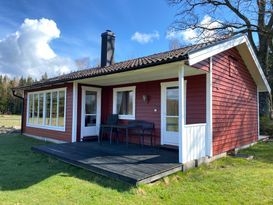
(91,111)
(170,112)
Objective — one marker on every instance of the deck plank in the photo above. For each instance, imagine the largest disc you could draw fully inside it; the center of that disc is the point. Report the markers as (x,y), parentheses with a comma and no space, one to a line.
(132,164)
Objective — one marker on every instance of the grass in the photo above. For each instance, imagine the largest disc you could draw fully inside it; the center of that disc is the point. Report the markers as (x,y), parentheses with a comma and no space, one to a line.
(31,178)
(10,120)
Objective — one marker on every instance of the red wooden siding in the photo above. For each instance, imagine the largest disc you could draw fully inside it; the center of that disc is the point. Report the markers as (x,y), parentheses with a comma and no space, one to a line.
(58,135)
(196,102)
(196,99)
(234,103)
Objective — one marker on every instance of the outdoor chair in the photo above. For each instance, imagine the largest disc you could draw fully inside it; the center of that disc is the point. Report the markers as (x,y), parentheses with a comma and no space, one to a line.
(107,128)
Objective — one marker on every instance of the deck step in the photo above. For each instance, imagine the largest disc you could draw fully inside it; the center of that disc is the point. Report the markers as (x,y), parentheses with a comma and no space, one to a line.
(90,138)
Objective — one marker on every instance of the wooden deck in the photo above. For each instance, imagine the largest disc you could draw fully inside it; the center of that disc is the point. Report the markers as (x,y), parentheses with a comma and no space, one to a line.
(133,164)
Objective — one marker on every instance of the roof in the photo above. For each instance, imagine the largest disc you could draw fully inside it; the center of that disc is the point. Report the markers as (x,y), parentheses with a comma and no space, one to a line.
(132,64)
(193,53)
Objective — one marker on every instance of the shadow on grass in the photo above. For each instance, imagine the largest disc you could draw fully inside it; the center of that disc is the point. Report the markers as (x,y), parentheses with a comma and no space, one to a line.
(21,168)
(263,151)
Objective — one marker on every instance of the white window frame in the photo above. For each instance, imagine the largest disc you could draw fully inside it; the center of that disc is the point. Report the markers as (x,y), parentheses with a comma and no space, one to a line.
(115,91)
(43,125)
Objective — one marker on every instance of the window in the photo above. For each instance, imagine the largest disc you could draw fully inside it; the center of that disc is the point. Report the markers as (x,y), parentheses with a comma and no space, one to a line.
(124,102)
(46,109)
(90,108)
(172,109)
(54,108)
(41,109)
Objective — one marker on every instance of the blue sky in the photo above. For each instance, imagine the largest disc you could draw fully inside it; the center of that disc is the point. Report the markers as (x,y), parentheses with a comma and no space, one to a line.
(82,22)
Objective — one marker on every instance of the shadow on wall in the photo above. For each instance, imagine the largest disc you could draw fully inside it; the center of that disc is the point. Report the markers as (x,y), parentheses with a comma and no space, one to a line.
(234,105)
(21,168)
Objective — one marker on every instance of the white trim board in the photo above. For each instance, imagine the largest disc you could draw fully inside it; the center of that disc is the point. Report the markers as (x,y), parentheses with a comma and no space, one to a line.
(74,112)
(236,41)
(209,110)
(204,53)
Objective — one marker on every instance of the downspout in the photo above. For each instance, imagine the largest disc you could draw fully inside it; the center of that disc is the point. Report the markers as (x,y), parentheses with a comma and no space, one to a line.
(23,108)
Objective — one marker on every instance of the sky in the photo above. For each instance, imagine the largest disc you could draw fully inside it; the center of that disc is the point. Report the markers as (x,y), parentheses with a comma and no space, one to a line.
(48,36)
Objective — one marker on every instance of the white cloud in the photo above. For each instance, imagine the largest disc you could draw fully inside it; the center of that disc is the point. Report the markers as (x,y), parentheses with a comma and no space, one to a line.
(145,37)
(173,34)
(28,52)
(193,36)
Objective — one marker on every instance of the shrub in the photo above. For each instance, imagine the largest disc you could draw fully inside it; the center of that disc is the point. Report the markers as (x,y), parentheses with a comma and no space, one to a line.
(266,126)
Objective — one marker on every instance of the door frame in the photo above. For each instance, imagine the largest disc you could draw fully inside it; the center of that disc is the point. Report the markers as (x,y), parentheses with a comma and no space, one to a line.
(164,87)
(98,120)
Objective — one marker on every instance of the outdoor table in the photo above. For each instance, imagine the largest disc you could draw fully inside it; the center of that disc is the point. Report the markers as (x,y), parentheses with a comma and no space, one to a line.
(119,126)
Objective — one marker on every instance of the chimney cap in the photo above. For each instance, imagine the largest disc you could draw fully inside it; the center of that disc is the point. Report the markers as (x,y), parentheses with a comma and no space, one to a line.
(108,32)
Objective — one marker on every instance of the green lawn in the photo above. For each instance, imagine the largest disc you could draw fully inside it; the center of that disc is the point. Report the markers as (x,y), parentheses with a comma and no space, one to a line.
(32,178)
(10,121)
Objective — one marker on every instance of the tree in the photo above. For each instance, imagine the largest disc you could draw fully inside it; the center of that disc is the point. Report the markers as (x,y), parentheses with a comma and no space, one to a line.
(9,103)
(29,80)
(227,18)
(174,44)
(240,16)
(82,63)
(44,77)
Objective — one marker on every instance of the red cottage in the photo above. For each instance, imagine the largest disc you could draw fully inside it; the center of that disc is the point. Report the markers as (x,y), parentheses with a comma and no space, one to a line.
(203,99)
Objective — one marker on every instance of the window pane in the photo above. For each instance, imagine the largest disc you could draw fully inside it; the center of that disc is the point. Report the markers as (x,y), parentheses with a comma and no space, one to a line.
(35,120)
(47,117)
(54,109)
(61,109)
(90,120)
(41,106)
(30,107)
(172,101)
(125,102)
(90,102)
(172,124)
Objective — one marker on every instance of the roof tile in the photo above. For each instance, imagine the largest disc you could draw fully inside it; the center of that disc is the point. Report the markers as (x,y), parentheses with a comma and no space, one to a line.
(146,61)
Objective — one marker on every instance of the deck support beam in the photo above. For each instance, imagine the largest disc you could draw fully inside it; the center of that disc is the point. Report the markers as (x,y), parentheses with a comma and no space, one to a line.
(181,120)
(209,150)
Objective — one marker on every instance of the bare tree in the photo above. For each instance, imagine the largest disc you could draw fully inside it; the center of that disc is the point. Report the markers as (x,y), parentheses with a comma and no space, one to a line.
(83,63)
(230,17)
(174,44)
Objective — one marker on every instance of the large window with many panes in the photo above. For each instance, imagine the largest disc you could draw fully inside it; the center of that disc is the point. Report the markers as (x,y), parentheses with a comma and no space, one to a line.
(46,109)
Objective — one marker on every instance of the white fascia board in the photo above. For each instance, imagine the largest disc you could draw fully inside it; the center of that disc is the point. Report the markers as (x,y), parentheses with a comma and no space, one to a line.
(258,65)
(205,53)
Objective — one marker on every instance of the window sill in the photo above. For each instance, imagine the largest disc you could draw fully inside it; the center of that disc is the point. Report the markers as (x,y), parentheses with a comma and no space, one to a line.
(61,129)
